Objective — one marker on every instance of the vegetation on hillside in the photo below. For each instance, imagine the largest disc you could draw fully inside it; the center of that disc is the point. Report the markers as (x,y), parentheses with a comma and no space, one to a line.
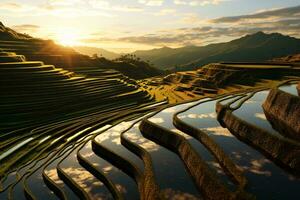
(129,65)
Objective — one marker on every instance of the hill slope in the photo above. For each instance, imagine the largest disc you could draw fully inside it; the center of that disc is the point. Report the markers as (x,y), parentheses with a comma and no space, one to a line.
(250,48)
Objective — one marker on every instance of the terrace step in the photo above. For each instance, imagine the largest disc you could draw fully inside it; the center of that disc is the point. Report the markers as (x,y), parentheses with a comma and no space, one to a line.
(21,64)
(15,58)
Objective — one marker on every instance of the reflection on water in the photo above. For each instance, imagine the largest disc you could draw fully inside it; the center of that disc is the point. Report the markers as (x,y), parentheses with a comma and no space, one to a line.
(266,180)
(18,192)
(261,116)
(35,182)
(111,139)
(201,149)
(141,141)
(168,168)
(204,110)
(217,131)
(88,182)
(122,181)
(15,148)
(229,99)
(37,185)
(11,178)
(157,120)
(178,195)
(252,112)
(51,172)
(4,195)
(94,187)
(292,89)
(198,116)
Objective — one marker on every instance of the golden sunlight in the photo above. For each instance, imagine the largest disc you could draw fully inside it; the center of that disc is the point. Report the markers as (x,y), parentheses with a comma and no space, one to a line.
(68,37)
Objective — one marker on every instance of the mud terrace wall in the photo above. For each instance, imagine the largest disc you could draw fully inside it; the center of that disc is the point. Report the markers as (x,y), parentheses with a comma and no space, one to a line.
(216,150)
(283,111)
(282,151)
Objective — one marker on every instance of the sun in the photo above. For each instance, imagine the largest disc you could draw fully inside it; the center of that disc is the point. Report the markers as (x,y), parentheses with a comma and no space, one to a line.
(67,38)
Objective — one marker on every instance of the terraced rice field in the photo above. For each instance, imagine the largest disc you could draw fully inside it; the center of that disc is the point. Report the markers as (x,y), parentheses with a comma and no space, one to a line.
(216,79)
(48,111)
(65,136)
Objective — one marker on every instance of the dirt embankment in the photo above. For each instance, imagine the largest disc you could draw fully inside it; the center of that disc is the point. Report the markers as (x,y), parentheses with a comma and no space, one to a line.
(282,151)
(283,111)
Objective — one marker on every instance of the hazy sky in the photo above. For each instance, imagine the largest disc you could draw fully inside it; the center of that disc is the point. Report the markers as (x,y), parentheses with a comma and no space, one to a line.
(125,25)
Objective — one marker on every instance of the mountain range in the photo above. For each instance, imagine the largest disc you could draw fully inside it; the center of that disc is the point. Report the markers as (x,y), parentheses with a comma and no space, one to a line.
(258,47)
(250,48)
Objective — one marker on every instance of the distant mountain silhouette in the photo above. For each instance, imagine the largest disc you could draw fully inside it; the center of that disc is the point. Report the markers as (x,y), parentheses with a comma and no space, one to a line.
(90,51)
(250,48)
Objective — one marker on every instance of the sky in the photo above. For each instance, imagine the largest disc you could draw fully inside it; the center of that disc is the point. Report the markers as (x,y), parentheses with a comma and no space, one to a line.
(128,25)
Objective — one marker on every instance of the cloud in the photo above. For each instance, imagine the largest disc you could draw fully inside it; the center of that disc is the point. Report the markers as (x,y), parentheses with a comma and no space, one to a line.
(10,6)
(164,12)
(26,28)
(202,35)
(51,7)
(64,2)
(173,38)
(106,5)
(127,8)
(273,14)
(68,8)
(198,2)
(284,20)
(151,2)
(191,18)
(15,7)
